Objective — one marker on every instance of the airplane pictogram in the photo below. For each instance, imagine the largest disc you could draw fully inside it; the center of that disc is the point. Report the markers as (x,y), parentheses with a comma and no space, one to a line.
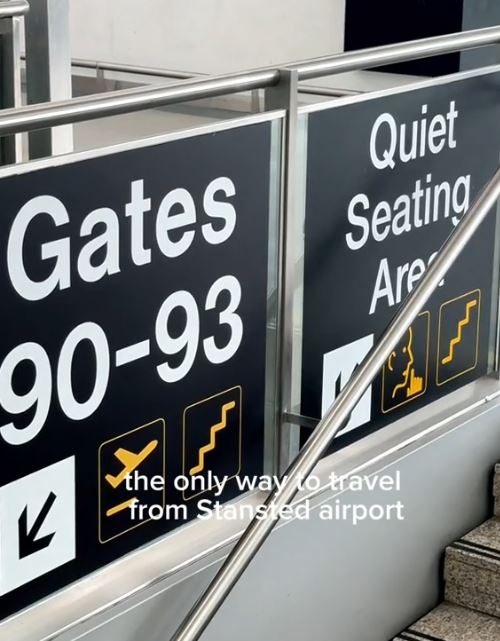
(122,506)
(139,452)
(130,461)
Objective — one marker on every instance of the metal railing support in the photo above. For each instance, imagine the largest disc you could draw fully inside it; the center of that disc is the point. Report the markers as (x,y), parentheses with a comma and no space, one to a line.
(285,96)
(11,147)
(136,99)
(259,529)
(13,8)
(48,70)
(11,16)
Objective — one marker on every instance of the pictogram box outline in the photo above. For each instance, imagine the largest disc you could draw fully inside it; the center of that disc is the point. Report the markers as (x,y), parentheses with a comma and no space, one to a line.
(184,433)
(99,477)
(438,360)
(427,354)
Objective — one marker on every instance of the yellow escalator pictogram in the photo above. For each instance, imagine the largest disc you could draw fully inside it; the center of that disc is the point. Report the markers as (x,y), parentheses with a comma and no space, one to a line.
(458,338)
(213,438)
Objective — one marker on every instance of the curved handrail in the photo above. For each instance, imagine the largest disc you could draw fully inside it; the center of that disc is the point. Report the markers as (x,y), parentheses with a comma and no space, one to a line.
(13,8)
(41,116)
(259,529)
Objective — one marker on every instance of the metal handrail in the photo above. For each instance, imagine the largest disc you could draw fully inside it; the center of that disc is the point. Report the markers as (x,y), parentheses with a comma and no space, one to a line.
(259,529)
(139,70)
(13,8)
(41,116)
(158,72)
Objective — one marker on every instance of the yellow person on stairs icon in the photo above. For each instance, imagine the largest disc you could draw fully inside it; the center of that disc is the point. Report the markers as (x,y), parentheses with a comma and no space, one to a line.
(458,343)
(405,374)
(217,427)
(212,440)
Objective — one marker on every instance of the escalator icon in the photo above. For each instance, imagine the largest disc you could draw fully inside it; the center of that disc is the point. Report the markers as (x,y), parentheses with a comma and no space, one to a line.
(212,444)
(458,337)
(212,440)
(405,374)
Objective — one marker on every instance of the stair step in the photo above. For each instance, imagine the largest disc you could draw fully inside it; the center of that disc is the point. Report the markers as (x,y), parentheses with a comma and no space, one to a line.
(496,490)
(472,569)
(450,622)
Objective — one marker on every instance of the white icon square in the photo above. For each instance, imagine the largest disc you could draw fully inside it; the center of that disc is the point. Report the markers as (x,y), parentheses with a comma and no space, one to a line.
(37,524)
(338,367)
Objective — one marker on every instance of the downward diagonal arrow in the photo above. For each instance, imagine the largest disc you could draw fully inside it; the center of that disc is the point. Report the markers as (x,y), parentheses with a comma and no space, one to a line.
(28,542)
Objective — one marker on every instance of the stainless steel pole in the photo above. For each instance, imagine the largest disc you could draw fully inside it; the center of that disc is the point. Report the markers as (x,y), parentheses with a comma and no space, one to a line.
(401,52)
(136,99)
(258,530)
(13,8)
(48,70)
(129,100)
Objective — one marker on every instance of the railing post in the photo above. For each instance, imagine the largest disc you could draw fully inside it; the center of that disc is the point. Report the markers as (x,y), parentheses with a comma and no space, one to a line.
(48,70)
(10,51)
(285,96)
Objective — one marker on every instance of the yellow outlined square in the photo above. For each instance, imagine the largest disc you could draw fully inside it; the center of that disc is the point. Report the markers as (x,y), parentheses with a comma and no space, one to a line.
(384,408)
(457,338)
(100,478)
(210,399)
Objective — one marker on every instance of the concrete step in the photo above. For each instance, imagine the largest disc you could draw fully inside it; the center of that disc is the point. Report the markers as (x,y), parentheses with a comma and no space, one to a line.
(472,570)
(496,490)
(450,622)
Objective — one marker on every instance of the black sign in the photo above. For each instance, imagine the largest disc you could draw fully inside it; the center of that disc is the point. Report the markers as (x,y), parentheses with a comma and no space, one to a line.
(388,179)
(132,349)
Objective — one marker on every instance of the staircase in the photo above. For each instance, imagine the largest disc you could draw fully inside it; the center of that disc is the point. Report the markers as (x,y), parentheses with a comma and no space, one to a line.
(471,611)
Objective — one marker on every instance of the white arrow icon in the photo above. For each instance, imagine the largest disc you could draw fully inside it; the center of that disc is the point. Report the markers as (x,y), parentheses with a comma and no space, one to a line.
(338,368)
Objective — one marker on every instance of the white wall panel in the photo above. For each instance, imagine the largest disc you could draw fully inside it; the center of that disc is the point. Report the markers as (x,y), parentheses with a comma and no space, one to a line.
(206,35)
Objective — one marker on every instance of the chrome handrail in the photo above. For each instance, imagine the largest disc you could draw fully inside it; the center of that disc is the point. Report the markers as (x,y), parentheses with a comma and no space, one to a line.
(41,116)
(158,72)
(138,70)
(260,528)
(13,8)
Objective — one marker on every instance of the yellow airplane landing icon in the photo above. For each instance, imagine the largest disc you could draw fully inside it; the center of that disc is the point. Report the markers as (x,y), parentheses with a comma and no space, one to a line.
(130,461)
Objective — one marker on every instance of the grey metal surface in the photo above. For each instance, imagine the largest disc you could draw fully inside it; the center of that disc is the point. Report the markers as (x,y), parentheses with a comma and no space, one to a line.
(12,8)
(136,99)
(11,150)
(48,70)
(478,14)
(197,129)
(285,96)
(138,70)
(134,69)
